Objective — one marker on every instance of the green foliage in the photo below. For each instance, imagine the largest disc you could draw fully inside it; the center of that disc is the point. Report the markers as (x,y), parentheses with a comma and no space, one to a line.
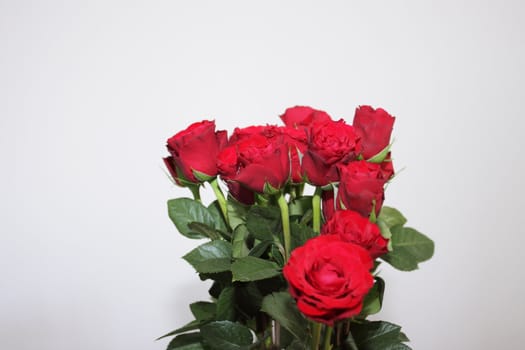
(376,335)
(264,223)
(251,268)
(226,304)
(226,335)
(240,241)
(183,211)
(244,255)
(188,341)
(236,212)
(203,310)
(409,248)
(215,211)
(374,299)
(282,308)
(300,234)
(392,217)
(211,257)
(193,325)
(298,207)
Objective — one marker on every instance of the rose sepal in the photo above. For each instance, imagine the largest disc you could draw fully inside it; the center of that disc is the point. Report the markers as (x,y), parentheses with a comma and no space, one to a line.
(202,177)
(381,156)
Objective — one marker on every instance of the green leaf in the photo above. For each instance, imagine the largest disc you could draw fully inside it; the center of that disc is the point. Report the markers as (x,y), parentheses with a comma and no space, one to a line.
(187,327)
(215,210)
(276,254)
(350,343)
(377,335)
(236,212)
(281,307)
(203,310)
(251,268)
(402,337)
(391,217)
(260,249)
(374,299)
(183,211)
(249,298)
(264,222)
(286,338)
(410,247)
(226,335)
(226,305)
(211,257)
(300,234)
(299,206)
(307,218)
(198,228)
(240,234)
(189,341)
(296,345)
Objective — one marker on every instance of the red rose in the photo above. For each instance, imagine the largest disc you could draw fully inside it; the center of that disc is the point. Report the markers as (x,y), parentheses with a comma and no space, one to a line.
(294,138)
(329,278)
(361,185)
(352,227)
(297,143)
(303,116)
(330,143)
(227,164)
(195,149)
(375,127)
(256,162)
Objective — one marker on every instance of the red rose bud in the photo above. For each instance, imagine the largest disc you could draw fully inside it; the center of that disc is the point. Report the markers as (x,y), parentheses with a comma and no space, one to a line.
(268,131)
(264,164)
(170,165)
(361,186)
(374,127)
(227,165)
(297,144)
(228,162)
(195,149)
(257,163)
(303,116)
(330,144)
(294,138)
(329,278)
(351,227)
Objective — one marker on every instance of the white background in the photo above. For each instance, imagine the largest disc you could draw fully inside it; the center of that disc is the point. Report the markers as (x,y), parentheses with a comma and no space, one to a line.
(90,91)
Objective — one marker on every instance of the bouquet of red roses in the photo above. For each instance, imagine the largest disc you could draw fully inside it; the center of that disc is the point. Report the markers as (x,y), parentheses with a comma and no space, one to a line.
(297,232)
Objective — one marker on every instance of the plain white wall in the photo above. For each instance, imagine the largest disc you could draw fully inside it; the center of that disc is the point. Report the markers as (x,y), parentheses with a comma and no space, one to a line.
(91,90)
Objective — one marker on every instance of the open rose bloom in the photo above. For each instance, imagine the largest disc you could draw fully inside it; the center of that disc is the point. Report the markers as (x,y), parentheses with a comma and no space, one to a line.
(292,243)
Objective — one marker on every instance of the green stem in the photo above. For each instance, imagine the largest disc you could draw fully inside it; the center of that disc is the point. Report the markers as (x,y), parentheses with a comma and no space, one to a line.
(316,209)
(220,199)
(316,336)
(328,338)
(195,190)
(285,217)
